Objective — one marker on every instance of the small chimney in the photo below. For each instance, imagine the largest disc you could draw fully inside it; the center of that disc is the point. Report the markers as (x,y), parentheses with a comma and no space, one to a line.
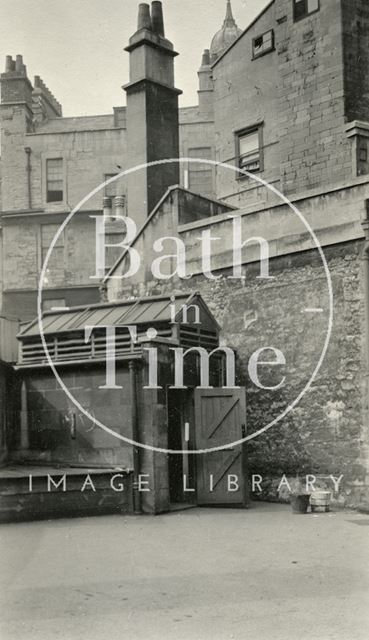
(9,64)
(205,62)
(144,18)
(15,86)
(157,18)
(107,208)
(19,66)
(119,202)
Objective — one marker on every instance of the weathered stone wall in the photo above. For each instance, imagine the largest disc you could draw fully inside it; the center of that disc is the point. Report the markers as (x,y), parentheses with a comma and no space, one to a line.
(326,433)
(314,149)
(196,131)
(71,268)
(246,94)
(303,93)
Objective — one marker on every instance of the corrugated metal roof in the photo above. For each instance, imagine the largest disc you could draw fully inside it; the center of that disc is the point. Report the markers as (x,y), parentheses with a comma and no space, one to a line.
(136,311)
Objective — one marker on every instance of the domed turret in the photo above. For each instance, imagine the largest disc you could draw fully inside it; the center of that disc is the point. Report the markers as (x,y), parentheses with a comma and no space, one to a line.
(225,36)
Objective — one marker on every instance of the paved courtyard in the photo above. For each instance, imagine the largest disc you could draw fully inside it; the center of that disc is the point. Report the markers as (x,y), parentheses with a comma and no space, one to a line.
(261,574)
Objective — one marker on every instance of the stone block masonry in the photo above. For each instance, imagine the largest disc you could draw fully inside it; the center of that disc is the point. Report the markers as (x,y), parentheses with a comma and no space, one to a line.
(327,431)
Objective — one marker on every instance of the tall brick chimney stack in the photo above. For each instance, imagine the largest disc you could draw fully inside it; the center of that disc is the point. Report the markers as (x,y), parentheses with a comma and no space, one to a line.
(16,117)
(152,113)
(15,85)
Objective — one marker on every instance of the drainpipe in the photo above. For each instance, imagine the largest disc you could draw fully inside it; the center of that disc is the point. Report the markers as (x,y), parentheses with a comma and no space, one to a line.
(135,436)
(28,152)
(24,427)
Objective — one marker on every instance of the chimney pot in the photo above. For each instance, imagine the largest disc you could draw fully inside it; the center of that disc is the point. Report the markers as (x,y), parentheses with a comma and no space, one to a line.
(144,18)
(157,18)
(107,207)
(205,58)
(19,64)
(8,64)
(119,202)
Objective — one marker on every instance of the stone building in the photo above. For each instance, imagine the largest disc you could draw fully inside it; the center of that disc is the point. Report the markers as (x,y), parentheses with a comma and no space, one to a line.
(49,163)
(283,109)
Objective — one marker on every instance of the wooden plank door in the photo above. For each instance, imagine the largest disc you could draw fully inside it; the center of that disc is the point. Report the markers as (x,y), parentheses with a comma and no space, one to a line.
(220,418)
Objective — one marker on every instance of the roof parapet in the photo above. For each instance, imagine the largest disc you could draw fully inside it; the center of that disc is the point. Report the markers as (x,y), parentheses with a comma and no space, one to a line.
(41,91)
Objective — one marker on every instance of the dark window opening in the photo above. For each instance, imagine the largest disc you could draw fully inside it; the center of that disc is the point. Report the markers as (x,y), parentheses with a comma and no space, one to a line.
(263,44)
(249,155)
(303,8)
(54,180)
(362,161)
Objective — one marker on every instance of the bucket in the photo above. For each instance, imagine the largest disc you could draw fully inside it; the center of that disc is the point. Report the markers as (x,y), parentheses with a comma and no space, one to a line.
(320,501)
(300,502)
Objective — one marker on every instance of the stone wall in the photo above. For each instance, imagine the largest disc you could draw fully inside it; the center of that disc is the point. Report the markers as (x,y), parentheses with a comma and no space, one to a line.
(71,267)
(246,94)
(302,94)
(326,433)
(196,131)
(314,150)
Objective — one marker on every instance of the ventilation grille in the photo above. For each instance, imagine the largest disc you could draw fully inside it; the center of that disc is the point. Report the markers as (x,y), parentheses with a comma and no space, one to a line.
(189,336)
(72,346)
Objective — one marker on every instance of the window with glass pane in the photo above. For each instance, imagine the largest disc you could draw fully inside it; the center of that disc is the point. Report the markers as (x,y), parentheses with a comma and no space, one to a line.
(249,150)
(263,44)
(302,8)
(54,180)
(362,156)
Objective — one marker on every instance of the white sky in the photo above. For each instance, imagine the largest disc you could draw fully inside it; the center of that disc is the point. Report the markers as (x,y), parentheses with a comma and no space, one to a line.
(77,46)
